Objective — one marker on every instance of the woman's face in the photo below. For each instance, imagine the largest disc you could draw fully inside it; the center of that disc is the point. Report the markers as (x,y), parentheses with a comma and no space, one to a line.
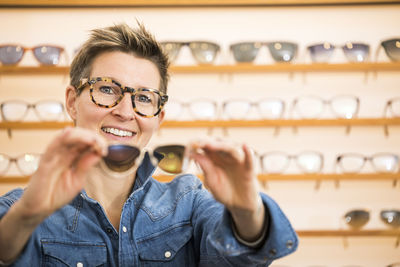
(119,124)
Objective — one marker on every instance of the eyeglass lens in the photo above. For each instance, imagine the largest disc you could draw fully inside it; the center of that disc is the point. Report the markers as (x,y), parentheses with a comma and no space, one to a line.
(26,163)
(392,49)
(108,94)
(47,110)
(394,105)
(45,54)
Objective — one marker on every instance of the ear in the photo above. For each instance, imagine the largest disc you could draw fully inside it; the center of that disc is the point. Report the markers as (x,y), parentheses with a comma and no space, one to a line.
(160,118)
(70,101)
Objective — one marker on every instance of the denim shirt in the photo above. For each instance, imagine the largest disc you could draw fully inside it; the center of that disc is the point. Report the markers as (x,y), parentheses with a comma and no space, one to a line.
(162,224)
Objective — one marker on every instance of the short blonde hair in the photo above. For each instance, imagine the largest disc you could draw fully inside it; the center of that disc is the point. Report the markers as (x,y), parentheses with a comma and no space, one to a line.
(123,38)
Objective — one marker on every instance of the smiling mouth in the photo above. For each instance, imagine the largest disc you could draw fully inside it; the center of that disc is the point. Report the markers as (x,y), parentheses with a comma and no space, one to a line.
(117,132)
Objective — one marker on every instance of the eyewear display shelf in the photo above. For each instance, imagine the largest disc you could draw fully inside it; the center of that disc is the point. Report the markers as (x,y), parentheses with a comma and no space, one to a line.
(33,125)
(182,3)
(233,68)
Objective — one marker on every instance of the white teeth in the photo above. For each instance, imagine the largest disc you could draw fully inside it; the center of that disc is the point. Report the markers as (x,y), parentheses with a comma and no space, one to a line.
(117,132)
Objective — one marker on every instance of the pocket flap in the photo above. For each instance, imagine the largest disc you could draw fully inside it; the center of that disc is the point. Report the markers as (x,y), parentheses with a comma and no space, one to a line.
(72,253)
(163,246)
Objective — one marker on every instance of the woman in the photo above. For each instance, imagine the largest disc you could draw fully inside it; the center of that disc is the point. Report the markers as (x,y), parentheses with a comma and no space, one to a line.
(76,213)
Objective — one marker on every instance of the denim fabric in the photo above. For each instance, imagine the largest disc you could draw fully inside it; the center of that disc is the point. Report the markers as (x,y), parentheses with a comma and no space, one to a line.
(162,224)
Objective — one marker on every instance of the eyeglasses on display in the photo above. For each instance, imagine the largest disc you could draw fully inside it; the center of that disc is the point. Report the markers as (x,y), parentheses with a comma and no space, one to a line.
(11,54)
(203,52)
(312,107)
(392,106)
(381,162)
(392,48)
(268,108)
(354,52)
(357,218)
(277,162)
(199,109)
(248,51)
(46,110)
(122,159)
(26,163)
(107,93)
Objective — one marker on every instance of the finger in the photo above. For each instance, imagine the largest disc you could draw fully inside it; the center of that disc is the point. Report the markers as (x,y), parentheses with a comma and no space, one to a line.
(248,157)
(207,167)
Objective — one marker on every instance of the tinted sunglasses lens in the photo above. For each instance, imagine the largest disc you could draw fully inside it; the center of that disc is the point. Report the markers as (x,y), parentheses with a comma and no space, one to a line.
(357,218)
(356,52)
(391,217)
(282,51)
(172,49)
(204,52)
(11,54)
(392,49)
(321,53)
(13,110)
(245,52)
(48,55)
(49,110)
(173,158)
(121,158)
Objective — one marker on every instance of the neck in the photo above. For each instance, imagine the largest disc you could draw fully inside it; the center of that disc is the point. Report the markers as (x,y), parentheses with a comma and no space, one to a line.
(110,192)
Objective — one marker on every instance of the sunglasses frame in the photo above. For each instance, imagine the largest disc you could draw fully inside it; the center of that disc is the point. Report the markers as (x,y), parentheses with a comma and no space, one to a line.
(181,44)
(25,49)
(341,47)
(381,45)
(268,44)
(124,89)
(155,161)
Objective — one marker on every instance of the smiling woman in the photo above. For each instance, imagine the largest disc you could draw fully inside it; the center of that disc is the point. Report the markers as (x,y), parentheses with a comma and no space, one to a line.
(116,97)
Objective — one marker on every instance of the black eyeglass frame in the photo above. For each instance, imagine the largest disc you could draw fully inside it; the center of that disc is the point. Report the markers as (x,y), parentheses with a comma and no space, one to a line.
(124,89)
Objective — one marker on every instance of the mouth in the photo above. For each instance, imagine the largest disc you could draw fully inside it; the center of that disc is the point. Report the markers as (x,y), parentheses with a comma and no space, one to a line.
(117,132)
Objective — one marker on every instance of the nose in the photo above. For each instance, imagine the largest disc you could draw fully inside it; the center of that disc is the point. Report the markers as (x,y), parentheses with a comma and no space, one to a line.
(124,109)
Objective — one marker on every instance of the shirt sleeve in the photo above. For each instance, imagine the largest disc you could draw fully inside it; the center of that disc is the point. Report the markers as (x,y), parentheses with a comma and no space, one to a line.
(218,246)
(7,200)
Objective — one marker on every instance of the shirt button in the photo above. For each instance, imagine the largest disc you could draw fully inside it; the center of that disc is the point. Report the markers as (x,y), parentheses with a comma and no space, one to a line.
(124,229)
(272,252)
(79,264)
(109,230)
(167,254)
(289,244)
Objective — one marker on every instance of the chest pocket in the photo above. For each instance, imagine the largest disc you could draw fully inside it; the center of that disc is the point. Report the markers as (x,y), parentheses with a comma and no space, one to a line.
(167,248)
(76,254)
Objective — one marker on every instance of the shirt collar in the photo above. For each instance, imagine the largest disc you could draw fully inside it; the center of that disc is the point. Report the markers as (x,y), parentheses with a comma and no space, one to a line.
(145,169)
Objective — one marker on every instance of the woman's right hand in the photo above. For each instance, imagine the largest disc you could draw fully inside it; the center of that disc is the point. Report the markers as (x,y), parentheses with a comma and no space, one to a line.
(61,173)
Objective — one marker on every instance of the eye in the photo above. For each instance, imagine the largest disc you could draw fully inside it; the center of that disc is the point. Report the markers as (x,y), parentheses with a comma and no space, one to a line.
(106,90)
(143,98)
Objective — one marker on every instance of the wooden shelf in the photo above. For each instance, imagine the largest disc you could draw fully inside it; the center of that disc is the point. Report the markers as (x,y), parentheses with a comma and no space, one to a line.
(263,177)
(183,3)
(223,123)
(349,233)
(236,68)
